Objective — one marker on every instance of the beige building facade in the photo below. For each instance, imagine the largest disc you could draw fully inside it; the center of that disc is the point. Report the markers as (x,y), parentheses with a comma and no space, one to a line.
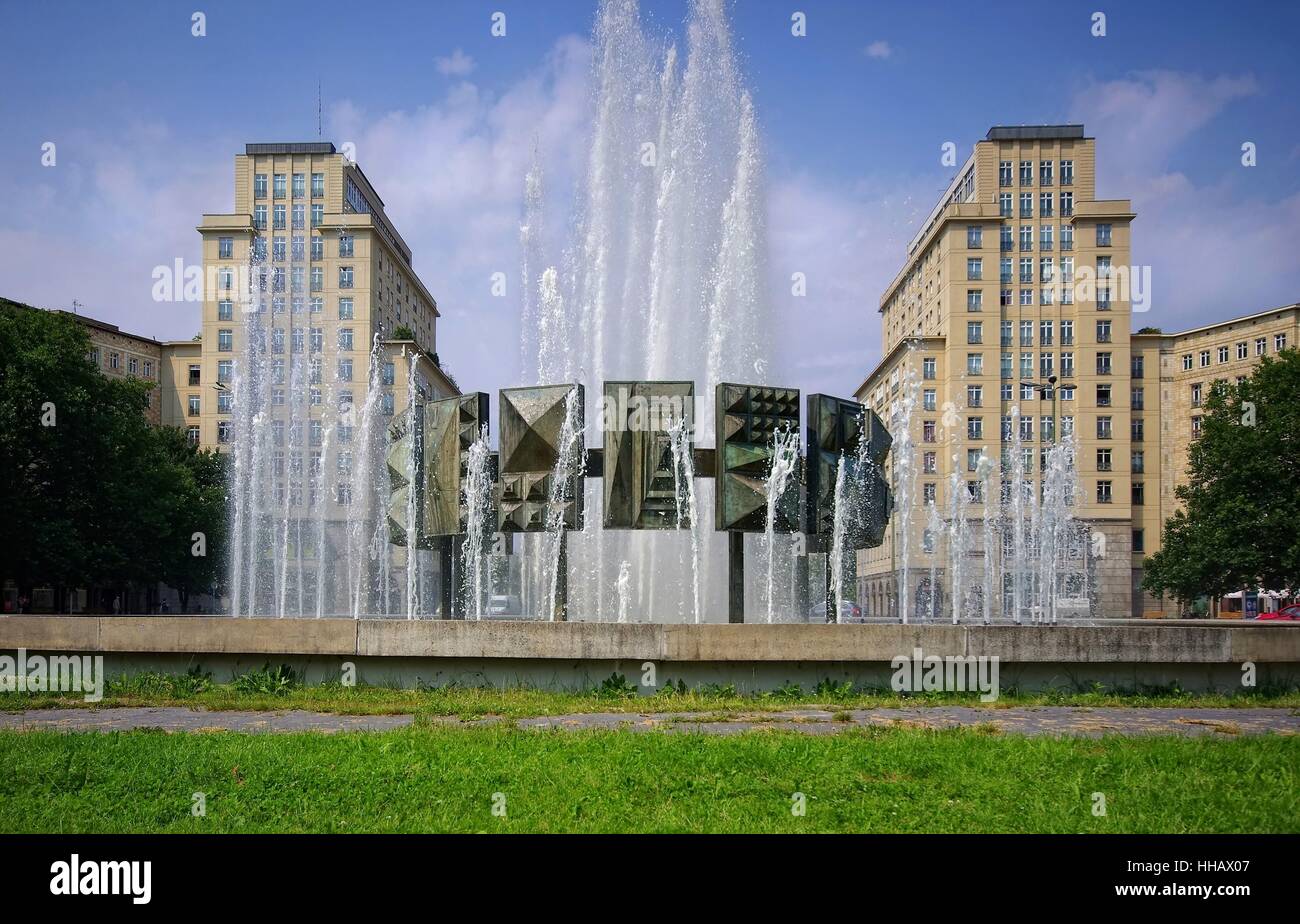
(1015,308)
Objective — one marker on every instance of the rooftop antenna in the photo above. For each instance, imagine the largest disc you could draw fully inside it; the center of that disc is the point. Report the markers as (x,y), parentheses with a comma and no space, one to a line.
(319,132)
(75,305)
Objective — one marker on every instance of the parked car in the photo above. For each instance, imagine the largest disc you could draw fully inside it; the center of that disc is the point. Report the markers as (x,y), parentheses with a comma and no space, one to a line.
(504,605)
(849,612)
(1289,613)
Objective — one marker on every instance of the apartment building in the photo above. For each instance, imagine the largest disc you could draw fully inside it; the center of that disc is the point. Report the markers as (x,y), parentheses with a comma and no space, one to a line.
(1015,294)
(311,230)
(1171,376)
(118,353)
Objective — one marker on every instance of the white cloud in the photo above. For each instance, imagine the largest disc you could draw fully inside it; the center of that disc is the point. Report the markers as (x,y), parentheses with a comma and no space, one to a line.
(878,49)
(1218,245)
(457,64)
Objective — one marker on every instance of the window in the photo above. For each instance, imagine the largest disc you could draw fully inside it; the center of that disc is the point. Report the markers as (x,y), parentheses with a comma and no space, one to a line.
(1067,333)
(1067,172)
(317,339)
(278,214)
(1197,425)
(280,186)
(1138,398)
(1137,366)
(1044,173)
(929,463)
(1139,541)
(1006,297)
(1045,238)
(974,300)
(1026,297)
(1045,205)
(1045,333)
(928,367)
(192,435)
(345,245)
(1026,173)
(1046,269)
(1261,347)
(1006,367)
(1026,205)
(277,340)
(317,304)
(278,249)
(224,431)
(972,460)
(1103,396)
(1187,362)
(1103,364)
(1196,395)
(1103,332)
(974,395)
(193,409)
(1103,460)
(1004,173)
(1223,354)
(317,185)
(1103,235)
(928,431)
(345,309)
(345,339)
(974,332)
(345,277)
(1139,493)
(225,340)
(259,217)
(974,237)
(1103,492)
(1279,342)
(1136,429)
(1067,272)
(1047,427)
(317,278)
(1026,269)
(225,248)
(1007,241)
(1242,350)
(1205,358)
(974,268)
(1027,429)
(226,401)
(1067,237)
(1026,365)
(975,363)
(317,215)
(1004,205)
(1103,428)
(928,491)
(928,399)
(345,370)
(225,371)
(225,310)
(1067,205)
(1138,461)
(317,247)
(975,430)
(1045,366)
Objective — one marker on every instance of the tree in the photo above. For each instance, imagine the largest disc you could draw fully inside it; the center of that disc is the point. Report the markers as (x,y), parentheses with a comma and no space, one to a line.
(194,537)
(92,494)
(1239,526)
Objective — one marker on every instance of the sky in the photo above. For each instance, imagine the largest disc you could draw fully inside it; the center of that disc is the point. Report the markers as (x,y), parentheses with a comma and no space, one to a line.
(146,119)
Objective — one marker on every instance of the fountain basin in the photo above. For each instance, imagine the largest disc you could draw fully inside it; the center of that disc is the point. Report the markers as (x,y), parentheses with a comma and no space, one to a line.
(1202,655)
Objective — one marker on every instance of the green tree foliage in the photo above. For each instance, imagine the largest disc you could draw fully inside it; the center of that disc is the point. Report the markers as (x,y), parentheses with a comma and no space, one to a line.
(93,495)
(1239,526)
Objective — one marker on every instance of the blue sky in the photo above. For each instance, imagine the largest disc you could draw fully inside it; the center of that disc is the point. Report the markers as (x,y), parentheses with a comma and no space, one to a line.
(147,119)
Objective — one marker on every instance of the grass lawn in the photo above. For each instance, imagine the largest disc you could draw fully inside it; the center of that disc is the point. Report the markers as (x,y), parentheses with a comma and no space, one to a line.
(444,779)
(276,688)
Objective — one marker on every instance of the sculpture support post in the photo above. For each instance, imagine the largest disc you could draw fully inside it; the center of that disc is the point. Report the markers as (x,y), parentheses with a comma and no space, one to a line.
(562,578)
(445,577)
(832,592)
(735,577)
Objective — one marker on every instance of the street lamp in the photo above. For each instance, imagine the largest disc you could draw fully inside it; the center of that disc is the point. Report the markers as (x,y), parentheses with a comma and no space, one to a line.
(1041,389)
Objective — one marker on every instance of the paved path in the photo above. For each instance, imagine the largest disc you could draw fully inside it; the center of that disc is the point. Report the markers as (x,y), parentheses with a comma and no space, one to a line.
(1025,720)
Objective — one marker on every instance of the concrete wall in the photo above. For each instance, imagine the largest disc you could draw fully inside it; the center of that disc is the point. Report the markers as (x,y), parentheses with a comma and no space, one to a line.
(1199,655)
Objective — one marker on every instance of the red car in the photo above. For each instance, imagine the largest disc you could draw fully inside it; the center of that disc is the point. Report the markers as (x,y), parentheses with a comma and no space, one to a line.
(1290,613)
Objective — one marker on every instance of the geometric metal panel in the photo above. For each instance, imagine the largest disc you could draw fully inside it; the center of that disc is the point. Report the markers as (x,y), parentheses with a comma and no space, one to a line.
(640,482)
(836,428)
(533,434)
(747,418)
(451,427)
(404,464)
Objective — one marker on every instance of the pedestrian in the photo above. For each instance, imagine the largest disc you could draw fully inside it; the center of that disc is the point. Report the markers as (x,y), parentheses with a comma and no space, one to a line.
(117,605)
